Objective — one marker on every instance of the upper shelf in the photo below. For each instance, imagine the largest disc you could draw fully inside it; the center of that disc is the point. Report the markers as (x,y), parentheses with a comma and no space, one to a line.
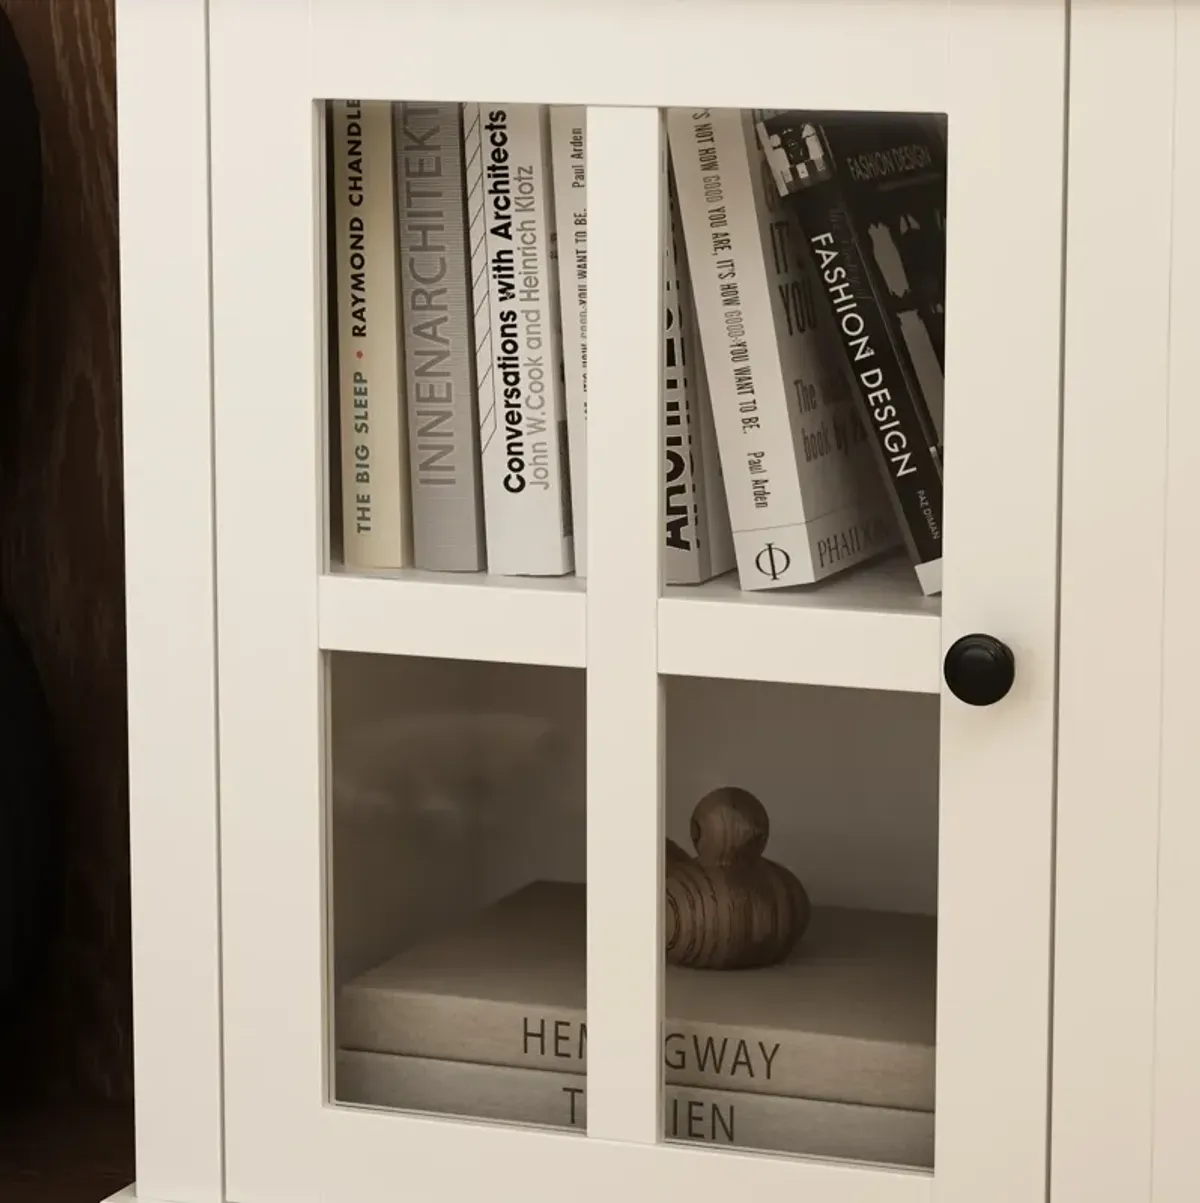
(514,620)
(871,629)
(831,54)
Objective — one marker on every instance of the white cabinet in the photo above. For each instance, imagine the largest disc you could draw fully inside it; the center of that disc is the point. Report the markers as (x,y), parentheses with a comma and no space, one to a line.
(326,766)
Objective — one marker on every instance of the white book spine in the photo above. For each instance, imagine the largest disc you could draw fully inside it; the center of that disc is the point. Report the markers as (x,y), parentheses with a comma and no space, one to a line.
(530,1096)
(568,155)
(699,543)
(522,416)
(443,424)
(714,508)
(376,517)
(803,494)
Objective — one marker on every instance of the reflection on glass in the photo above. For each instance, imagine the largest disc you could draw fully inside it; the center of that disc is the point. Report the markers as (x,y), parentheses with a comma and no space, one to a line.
(458,835)
(801,966)
(800,904)
(457,394)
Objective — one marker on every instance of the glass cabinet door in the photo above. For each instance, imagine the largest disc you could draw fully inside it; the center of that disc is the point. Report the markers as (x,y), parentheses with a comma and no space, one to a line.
(631,780)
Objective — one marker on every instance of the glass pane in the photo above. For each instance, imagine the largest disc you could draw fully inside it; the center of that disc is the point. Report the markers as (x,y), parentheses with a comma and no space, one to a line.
(457,841)
(801,892)
(801,863)
(456,421)
(813,249)
(456,452)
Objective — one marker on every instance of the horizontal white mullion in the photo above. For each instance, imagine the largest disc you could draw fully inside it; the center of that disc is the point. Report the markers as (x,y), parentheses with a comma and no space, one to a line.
(836,54)
(510,620)
(801,646)
(504,1164)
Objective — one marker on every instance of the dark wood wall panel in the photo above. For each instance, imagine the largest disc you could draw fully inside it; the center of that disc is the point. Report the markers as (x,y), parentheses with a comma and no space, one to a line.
(61,535)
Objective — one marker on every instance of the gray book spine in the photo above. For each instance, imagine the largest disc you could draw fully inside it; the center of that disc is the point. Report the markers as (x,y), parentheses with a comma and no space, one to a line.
(795,1064)
(443,438)
(531,1096)
(568,158)
(699,542)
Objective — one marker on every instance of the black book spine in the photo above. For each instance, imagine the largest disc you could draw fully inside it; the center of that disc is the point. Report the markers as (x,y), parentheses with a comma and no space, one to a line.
(907,455)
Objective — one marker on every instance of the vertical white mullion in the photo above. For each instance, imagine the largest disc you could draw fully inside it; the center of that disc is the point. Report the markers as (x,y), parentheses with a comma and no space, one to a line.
(624,699)
(270,553)
(171,651)
(1003,390)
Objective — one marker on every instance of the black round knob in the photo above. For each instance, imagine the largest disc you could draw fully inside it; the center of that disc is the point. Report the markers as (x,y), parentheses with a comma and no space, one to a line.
(979,669)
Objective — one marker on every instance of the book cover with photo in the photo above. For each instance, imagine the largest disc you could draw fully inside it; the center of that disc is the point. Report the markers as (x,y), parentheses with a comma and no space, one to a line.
(869,193)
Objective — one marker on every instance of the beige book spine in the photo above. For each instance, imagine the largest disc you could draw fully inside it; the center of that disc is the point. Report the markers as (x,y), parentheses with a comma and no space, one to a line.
(718,1056)
(376,517)
(533,1096)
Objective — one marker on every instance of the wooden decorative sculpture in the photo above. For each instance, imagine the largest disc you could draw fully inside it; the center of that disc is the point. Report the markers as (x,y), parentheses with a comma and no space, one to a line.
(730,907)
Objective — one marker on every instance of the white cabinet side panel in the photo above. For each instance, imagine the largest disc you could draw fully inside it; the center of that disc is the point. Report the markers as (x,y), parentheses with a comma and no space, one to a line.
(624,696)
(1177,1044)
(1115,373)
(1003,365)
(162,122)
(266,373)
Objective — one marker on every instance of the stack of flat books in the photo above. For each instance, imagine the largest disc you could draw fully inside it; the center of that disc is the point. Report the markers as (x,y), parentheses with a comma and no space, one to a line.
(829,1054)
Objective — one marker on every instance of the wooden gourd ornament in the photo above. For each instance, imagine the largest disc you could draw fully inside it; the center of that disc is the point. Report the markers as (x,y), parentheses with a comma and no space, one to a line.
(729,907)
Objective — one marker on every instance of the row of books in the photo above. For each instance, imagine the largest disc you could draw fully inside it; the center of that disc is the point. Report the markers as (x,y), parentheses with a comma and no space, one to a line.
(830,1053)
(803,325)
